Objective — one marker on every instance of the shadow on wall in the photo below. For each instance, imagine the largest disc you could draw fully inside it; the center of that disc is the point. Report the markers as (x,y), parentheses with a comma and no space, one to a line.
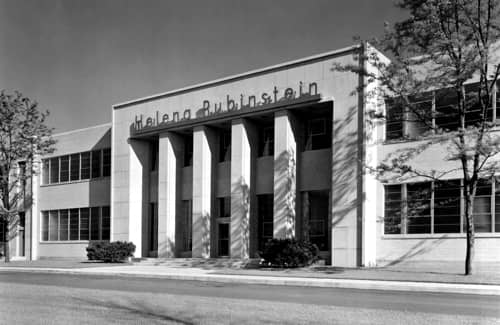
(201,236)
(285,169)
(422,247)
(240,232)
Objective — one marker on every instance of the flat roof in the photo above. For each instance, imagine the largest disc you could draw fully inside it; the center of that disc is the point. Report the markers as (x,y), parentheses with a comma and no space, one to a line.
(235,77)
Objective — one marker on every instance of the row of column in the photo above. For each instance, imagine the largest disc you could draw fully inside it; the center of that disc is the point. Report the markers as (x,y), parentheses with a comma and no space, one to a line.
(243,142)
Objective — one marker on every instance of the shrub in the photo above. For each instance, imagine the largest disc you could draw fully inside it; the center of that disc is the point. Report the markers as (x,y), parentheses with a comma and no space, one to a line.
(288,253)
(117,251)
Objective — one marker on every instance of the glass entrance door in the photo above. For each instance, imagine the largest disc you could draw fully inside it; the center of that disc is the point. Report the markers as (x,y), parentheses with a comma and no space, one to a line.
(223,238)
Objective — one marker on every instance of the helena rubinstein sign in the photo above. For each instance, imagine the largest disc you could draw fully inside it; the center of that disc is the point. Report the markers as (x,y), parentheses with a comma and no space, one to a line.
(229,105)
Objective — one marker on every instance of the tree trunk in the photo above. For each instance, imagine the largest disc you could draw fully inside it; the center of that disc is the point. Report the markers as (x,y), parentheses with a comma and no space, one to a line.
(6,244)
(469,255)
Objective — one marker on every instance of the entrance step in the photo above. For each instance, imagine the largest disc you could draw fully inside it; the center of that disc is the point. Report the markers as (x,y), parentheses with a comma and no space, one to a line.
(204,263)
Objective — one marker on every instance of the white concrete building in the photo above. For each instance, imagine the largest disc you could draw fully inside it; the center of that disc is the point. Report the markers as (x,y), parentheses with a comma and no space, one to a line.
(216,169)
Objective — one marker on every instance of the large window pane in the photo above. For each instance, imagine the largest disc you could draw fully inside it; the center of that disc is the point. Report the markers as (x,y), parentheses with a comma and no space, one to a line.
(482,206)
(75,167)
(85,165)
(188,151)
(64,169)
(265,211)
(392,213)
(447,206)
(45,225)
(45,171)
(54,170)
(73,224)
(318,218)
(94,223)
(105,221)
(63,225)
(106,162)
(394,120)
(53,225)
(419,208)
(84,224)
(96,164)
(225,146)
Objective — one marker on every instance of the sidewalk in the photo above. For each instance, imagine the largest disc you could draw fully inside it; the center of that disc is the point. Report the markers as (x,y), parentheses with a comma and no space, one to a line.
(425,277)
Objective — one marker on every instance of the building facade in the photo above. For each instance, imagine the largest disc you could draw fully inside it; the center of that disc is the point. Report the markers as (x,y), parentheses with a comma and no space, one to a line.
(217,169)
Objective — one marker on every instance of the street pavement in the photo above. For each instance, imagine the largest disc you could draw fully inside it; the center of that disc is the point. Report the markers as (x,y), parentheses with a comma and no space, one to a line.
(42,298)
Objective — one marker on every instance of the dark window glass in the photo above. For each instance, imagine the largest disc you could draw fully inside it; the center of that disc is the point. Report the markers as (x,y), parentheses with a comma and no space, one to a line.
(392,213)
(96,163)
(474,104)
(419,208)
(266,141)
(63,225)
(225,146)
(2,231)
(106,223)
(318,134)
(446,116)
(54,170)
(75,167)
(106,162)
(265,206)
(224,207)
(187,210)
(85,165)
(64,169)
(154,148)
(53,225)
(94,224)
(22,174)
(45,225)
(188,151)
(84,224)
(394,120)
(45,171)
(223,239)
(73,224)
(318,218)
(482,206)
(447,206)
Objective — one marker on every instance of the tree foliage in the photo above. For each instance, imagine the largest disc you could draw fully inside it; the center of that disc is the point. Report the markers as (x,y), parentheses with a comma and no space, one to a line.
(23,137)
(449,51)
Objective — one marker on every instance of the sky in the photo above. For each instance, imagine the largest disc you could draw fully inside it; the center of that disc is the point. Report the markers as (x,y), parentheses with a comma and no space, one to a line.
(77,58)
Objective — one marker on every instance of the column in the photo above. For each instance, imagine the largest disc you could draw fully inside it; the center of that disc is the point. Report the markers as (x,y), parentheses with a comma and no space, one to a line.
(170,153)
(204,144)
(285,161)
(242,137)
(138,192)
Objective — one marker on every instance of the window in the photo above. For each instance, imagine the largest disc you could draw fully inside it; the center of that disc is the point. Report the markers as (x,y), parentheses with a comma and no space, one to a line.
(392,213)
(318,134)
(54,170)
(94,223)
(318,218)
(224,207)
(45,171)
(419,208)
(265,207)
(188,151)
(187,211)
(105,223)
(75,167)
(106,162)
(437,207)
(96,164)
(154,148)
(266,141)
(225,146)
(438,109)
(447,206)
(76,224)
(64,169)
(85,165)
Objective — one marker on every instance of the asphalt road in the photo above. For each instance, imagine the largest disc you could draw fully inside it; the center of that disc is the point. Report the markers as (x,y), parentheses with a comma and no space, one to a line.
(28,298)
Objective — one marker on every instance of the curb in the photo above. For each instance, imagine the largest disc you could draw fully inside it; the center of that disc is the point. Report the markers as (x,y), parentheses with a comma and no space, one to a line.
(428,287)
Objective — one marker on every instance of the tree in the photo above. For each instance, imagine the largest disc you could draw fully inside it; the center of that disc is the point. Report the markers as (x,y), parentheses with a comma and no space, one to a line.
(448,51)
(23,136)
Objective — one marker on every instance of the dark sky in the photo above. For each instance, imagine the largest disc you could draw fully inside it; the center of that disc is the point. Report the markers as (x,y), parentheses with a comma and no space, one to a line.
(78,57)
